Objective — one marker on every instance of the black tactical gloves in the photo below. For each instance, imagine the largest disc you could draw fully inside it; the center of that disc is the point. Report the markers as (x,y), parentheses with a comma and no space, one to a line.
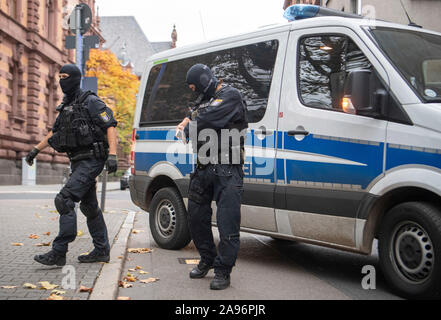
(112,163)
(31,156)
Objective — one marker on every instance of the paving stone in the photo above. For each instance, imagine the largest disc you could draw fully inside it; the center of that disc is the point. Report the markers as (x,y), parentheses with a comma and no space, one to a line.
(18,220)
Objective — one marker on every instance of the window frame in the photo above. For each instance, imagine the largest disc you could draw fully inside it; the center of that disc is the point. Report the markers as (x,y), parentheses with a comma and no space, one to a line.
(299,93)
(147,124)
(404,117)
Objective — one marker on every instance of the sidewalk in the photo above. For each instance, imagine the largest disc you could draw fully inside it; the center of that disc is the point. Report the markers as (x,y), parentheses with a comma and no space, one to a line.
(51,188)
(21,218)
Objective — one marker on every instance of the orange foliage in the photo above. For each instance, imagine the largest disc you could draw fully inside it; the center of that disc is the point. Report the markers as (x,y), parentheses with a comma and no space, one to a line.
(117,87)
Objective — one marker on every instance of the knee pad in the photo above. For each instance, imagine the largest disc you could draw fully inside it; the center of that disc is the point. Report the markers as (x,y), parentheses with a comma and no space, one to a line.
(89,211)
(64,205)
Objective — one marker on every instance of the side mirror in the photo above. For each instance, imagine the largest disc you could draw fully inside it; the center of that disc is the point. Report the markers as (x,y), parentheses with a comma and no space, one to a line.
(364,94)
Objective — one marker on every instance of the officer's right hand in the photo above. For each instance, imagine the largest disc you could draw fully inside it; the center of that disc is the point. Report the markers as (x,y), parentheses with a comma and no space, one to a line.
(31,156)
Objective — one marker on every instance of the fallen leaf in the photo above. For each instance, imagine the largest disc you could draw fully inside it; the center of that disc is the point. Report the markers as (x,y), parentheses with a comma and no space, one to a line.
(8,287)
(79,233)
(120,257)
(85,289)
(38,216)
(16,244)
(137,231)
(140,250)
(43,244)
(53,211)
(54,219)
(123,298)
(143,272)
(46,285)
(130,278)
(29,286)
(34,236)
(138,267)
(132,270)
(55,297)
(149,280)
(47,234)
(58,292)
(125,285)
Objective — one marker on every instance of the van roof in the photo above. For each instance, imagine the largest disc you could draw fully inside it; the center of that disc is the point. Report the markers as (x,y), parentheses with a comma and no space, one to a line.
(271,29)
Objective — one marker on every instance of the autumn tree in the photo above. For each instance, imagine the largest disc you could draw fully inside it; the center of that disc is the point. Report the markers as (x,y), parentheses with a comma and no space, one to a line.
(117,87)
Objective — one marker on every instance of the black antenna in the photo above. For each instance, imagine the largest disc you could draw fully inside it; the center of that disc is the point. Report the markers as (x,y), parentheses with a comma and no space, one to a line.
(411,23)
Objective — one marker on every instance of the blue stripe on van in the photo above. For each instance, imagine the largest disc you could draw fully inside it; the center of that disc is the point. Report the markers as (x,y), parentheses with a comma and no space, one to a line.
(368,153)
(398,157)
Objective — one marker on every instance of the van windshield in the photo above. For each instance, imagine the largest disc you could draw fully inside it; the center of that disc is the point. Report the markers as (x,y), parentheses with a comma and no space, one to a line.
(417,56)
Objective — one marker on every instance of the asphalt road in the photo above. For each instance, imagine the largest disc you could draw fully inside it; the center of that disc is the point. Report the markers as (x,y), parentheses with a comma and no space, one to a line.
(266,269)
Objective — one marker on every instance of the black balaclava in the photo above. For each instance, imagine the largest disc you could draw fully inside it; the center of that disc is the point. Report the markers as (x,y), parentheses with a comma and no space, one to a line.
(203,79)
(70,85)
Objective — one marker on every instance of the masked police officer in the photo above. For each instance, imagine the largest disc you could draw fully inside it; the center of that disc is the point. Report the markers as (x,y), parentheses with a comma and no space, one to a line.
(85,130)
(218,175)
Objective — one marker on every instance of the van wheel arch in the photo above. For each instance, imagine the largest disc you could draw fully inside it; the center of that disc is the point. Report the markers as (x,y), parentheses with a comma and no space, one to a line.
(157,184)
(382,205)
(397,196)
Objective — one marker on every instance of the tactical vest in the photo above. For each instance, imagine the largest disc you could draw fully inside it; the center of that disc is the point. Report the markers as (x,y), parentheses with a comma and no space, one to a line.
(234,147)
(76,131)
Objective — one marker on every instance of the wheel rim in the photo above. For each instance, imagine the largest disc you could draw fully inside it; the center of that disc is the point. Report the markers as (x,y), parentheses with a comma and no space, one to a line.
(413,252)
(165,218)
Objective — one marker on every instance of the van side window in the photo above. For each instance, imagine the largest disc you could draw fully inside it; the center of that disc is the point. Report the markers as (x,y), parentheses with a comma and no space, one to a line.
(324,63)
(248,68)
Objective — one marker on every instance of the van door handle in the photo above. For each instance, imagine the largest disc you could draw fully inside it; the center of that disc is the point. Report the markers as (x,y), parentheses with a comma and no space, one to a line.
(293,133)
(263,132)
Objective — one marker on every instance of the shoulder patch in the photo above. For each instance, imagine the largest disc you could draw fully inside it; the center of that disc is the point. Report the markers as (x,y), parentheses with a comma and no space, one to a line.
(105,116)
(216,102)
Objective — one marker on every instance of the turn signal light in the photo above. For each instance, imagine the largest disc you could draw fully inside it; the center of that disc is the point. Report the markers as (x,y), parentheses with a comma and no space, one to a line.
(347,105)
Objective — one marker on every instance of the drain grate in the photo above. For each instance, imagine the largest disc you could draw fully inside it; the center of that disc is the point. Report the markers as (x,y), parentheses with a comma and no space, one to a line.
(192,261)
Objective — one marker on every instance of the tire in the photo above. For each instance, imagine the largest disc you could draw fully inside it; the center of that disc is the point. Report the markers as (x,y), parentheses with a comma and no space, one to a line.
(168,220)
(410,250)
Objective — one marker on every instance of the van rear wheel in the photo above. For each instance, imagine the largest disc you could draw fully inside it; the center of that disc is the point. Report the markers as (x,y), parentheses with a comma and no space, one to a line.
(409,250)
(168,220)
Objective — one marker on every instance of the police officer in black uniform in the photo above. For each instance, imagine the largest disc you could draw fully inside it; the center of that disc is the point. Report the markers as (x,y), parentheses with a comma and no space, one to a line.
(85,130)
(217,176)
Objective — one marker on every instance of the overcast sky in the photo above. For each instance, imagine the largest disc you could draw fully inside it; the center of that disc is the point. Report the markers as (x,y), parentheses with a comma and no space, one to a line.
(195,20)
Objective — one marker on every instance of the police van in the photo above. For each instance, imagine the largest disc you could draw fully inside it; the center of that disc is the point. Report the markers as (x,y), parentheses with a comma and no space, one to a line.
(343,145)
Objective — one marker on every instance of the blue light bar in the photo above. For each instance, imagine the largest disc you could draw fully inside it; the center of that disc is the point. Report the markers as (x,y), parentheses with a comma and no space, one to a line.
(305,11)
(301,11)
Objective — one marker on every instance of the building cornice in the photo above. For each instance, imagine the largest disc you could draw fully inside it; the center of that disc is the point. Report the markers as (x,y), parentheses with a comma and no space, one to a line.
(30,39)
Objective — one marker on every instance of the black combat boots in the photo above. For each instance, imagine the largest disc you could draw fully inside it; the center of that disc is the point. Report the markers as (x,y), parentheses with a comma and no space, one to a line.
(94,256)
(51,259)
(220,281)
(200,270)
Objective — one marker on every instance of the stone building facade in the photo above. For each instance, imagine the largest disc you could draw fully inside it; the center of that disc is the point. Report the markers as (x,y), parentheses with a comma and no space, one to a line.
(32,51)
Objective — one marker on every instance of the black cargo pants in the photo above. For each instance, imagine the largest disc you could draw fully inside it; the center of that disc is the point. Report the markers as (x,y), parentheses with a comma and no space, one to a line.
(81,186)
(223,184)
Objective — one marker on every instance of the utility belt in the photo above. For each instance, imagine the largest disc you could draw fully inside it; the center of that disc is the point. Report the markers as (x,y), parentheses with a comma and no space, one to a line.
(98,150)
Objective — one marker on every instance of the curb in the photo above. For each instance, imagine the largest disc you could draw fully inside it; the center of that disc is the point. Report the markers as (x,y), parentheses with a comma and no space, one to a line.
(106,285)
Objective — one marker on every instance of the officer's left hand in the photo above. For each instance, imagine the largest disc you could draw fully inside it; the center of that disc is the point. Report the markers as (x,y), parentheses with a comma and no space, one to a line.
(112,163)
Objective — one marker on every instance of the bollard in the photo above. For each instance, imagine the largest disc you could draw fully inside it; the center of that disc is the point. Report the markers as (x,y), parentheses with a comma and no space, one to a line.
(103,190)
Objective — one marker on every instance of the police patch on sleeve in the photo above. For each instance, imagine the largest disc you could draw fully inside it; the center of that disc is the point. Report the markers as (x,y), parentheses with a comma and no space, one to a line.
(105,117)
(216,102)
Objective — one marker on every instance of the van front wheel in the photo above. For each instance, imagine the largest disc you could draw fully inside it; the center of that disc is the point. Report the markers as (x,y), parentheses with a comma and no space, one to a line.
(410,249)
(168,220)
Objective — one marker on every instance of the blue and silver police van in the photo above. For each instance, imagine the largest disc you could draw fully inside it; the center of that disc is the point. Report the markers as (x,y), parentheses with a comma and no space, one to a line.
(343,145)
